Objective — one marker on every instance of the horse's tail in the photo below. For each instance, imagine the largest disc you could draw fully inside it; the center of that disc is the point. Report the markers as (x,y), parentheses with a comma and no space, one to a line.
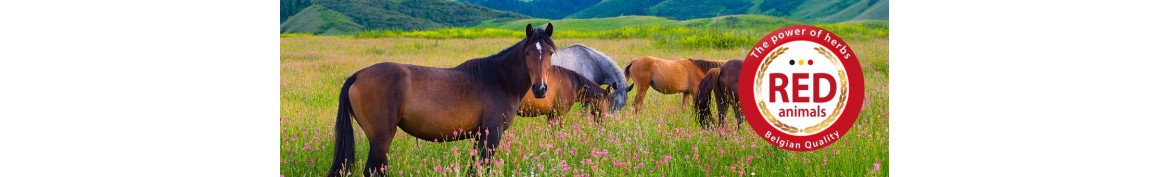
(628,70)
(631,87)
(343,139)
(703,97)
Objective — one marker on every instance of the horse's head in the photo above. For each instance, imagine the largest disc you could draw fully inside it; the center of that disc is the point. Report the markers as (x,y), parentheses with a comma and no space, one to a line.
(617,95)
(538,57)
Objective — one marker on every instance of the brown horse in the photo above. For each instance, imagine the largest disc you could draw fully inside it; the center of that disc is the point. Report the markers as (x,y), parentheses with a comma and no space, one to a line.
(565,87)
(667,77)
(723,81)
(434,104)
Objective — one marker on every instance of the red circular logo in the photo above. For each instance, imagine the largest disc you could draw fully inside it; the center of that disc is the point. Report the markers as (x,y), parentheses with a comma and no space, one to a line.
(803,88)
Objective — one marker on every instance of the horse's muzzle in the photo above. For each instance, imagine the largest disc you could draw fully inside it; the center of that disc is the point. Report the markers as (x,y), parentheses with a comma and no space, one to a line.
(538,90)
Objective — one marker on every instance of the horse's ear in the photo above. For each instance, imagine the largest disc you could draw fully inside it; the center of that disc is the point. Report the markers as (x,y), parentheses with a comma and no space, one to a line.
(548,30)
(528,32)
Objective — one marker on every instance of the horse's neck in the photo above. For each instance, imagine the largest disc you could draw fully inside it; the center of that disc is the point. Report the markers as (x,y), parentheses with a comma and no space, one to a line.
(583,86)
(506,74)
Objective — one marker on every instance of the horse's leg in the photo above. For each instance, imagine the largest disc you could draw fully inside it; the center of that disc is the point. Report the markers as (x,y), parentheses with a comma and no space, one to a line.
(738,113)
(379,146)
(375,107)
(552,117)
(383,124)
(642,88)
(486,144)
(721,104)
(685,99)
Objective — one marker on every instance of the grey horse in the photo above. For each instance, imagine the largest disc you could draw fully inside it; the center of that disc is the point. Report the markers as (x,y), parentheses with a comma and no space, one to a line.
(597,67)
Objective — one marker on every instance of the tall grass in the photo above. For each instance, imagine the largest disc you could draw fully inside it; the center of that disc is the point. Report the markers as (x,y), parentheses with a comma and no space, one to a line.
(715,36)
(661,140)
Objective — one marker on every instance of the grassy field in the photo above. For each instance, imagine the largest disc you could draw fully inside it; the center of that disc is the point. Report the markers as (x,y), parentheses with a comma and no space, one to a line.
(661,140)
(725,32)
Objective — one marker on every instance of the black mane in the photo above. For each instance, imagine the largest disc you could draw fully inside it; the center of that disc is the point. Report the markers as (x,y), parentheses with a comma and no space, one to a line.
(507,67)
(704,64)
(584,86)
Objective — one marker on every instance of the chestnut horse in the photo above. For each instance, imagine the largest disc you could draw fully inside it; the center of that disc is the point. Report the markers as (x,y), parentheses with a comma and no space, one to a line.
(434,104)
(723,82)
(667,77)
(565,87)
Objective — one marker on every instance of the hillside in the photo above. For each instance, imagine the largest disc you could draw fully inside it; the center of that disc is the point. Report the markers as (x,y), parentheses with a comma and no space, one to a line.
(552,9)
(813,11)
(319,20)
(614,8)
(595,24)
(396,14)
(288,8)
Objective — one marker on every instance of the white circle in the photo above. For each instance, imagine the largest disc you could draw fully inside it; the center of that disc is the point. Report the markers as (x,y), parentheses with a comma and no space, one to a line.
(800,114)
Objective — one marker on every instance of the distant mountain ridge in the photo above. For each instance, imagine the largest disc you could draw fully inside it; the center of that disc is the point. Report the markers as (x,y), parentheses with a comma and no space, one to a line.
(349,16)
(388,14)
(804,10)
(551,9)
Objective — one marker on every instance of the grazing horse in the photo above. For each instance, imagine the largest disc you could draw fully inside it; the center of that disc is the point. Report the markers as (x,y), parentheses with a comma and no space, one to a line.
(596,67)
(667,77)
(723,82)
(435,104)
(564,88)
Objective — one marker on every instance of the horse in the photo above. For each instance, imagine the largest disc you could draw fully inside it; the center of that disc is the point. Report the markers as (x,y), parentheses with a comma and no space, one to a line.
(723,82)
(667,77)
(564,88)
(434,104)
(596,67)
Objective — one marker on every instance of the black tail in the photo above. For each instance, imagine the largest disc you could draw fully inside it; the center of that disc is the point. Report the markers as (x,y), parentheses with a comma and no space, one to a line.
(631,87)
(628,70)
(343,139)
(703,97)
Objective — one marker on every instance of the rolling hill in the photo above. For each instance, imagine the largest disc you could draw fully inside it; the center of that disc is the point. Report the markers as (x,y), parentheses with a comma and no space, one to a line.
(350,16)
(319,20)
(804,10)
(388,14)
(552,9)
(609,23)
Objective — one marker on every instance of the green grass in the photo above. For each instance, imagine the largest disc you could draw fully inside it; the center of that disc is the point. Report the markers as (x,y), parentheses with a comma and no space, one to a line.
(725,32)
(314,67)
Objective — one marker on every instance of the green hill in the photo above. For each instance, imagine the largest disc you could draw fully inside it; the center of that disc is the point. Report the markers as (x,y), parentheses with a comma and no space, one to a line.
(614,8)
(319,20)
(553,9)
(394,15)
(811,10)
(288,8)
(610,23)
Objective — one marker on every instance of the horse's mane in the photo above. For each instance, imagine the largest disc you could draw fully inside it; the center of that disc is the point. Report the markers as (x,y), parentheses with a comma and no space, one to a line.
(584,86)
(705,65)
(486,69)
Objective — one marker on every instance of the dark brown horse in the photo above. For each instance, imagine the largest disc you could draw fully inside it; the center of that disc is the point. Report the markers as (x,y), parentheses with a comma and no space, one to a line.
(565,87)
(722,82)
(667,77)
(433,104)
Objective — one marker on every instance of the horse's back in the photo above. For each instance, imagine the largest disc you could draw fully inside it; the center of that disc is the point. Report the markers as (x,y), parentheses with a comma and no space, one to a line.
(731,77)
(422,98)
(580,59)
